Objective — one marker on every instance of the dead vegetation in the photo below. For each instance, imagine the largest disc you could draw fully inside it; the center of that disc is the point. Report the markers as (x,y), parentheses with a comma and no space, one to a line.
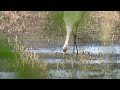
(38,26)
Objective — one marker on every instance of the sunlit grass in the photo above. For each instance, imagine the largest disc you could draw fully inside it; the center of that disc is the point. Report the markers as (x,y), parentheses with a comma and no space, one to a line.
(27,62)
(16,59)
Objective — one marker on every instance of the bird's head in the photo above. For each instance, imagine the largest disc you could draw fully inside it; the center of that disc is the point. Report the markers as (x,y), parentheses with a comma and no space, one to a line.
(64,50)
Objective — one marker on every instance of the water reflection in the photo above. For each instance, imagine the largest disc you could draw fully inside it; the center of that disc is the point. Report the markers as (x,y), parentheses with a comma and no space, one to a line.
(95,62)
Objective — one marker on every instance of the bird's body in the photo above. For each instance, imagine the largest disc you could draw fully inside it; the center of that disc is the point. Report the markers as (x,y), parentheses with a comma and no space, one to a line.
(72,17)
(72,20)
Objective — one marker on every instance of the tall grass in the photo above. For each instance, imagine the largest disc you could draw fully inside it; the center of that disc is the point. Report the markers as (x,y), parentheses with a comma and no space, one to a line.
(27,62)
(13,57)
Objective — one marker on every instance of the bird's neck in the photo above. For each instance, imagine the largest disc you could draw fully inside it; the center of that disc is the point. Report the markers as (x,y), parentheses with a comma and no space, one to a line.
(69,30)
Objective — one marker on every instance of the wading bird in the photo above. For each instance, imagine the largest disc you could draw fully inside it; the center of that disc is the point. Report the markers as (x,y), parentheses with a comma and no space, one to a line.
(72,20)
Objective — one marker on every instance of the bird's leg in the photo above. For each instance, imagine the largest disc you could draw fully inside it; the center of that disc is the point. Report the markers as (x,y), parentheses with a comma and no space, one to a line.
(76,43)
(73,43)
(75,40)
(69,30)
(75,46)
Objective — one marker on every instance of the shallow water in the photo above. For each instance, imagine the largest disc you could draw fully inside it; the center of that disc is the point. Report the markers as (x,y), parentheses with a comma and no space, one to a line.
(112,53)
(7,75)
(106,66)
(111,49)
(77,74)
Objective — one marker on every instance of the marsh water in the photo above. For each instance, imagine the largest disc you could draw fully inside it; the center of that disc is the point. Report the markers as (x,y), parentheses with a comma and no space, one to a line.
(94,61)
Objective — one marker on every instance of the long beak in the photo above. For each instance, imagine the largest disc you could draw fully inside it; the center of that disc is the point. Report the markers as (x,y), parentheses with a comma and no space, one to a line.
(64,52)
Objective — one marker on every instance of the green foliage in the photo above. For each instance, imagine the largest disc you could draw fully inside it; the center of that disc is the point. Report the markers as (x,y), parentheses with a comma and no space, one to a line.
(28,72)
(57,16)
(55,24)
(5,50)
(14,61)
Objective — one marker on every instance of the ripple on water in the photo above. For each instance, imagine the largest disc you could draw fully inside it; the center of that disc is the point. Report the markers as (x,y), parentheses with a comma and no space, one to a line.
(94,49)
(63,61)
(91,49)
(80,74)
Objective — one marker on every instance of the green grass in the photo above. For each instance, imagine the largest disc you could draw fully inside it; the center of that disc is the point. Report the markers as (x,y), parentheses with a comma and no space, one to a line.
(25,64)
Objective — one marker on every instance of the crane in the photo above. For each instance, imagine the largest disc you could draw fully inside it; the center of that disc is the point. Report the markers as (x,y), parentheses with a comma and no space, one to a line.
(72,20)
